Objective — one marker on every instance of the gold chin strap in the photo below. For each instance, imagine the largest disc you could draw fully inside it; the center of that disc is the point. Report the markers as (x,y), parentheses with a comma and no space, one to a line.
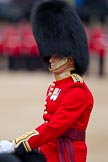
(65,74)
(61,63)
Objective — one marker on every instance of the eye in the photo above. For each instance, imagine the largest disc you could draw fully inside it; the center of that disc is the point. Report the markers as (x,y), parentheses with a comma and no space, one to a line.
(58,57)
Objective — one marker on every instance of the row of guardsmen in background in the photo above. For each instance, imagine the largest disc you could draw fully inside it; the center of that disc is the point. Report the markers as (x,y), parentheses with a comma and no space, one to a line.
(18,44)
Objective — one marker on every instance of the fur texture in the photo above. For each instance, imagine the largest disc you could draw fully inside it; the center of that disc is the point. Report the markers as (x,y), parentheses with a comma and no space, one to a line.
(58,30)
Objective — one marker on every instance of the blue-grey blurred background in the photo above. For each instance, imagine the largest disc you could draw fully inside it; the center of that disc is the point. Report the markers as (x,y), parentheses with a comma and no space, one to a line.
(24,78)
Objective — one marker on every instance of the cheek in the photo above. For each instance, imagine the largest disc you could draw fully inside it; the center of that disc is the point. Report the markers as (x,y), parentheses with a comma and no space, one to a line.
(54,61)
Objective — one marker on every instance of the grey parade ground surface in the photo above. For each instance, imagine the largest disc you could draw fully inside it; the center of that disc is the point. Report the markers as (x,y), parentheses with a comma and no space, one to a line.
(22,97)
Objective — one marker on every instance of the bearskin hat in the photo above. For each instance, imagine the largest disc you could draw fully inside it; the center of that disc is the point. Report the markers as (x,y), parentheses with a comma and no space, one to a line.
(58,30)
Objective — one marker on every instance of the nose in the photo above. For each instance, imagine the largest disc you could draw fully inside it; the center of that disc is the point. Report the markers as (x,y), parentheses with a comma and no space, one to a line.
(51,59)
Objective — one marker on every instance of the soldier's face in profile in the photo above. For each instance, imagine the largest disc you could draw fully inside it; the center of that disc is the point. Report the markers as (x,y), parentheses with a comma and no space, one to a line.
(57,63)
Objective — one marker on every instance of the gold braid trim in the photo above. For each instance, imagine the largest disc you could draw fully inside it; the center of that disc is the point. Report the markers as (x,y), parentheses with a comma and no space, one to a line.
(26,146)
(24,140)
(77,78)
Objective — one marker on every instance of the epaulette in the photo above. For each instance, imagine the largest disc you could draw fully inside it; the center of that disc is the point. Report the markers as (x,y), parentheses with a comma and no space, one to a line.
(77,78)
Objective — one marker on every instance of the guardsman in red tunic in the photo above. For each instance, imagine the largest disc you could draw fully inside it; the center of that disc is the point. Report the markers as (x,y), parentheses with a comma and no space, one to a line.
(62,42)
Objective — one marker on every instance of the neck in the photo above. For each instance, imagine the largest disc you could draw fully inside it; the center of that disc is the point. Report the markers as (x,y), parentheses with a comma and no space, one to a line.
(63,75)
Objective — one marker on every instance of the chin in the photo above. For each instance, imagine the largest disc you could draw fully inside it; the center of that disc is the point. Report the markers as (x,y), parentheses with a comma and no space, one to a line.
(58,71)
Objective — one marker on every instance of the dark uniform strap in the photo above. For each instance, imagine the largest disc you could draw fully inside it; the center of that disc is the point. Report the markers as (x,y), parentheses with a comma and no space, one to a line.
(66,141)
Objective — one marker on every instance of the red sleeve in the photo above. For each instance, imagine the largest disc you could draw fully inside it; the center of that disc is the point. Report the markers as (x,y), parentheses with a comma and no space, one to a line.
(73,103)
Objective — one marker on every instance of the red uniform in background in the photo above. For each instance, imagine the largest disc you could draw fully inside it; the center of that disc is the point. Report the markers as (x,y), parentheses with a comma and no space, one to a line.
(97,46)
(68,105)
(28,46)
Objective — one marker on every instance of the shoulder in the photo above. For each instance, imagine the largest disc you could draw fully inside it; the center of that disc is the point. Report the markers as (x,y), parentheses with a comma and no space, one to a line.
(77,78)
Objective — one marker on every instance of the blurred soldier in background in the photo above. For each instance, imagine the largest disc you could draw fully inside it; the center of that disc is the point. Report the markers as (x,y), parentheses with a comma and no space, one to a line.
(97,46)
(62,43)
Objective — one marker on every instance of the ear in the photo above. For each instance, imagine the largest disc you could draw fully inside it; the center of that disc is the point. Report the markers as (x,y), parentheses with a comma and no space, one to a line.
(71,61)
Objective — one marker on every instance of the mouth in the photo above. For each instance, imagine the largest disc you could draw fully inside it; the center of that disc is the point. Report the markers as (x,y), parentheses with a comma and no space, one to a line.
(51,65)
(62,62)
